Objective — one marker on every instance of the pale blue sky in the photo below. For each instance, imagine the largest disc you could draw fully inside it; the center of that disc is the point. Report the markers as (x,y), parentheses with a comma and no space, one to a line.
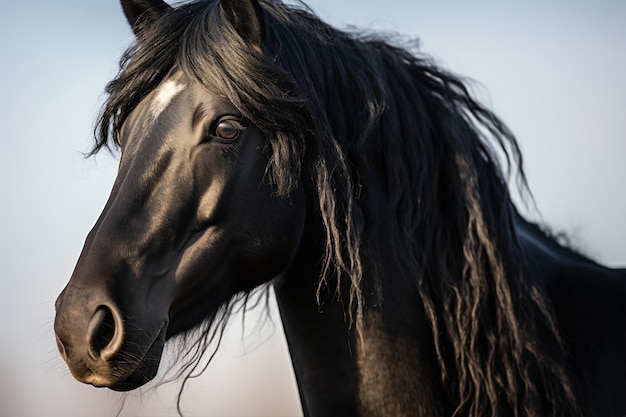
(554,72)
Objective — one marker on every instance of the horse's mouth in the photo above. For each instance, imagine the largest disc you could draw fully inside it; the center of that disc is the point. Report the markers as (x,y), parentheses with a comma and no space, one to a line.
(147,367)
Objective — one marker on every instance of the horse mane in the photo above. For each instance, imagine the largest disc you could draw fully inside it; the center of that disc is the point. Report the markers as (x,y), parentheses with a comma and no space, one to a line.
(396,154)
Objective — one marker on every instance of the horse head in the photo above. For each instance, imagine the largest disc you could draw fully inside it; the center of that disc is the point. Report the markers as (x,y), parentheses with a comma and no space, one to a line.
(191,221)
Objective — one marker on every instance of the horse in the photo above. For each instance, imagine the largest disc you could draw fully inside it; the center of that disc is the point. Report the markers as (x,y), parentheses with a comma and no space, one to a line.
(259,147)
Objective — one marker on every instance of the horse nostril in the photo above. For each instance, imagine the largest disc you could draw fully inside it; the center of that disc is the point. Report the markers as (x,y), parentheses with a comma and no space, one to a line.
(105,333)
(61,348)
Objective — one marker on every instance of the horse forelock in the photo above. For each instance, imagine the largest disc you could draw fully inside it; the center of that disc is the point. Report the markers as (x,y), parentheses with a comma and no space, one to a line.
(395,151)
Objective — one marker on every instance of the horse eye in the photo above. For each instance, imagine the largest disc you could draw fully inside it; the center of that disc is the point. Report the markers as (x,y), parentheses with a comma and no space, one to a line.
(227,129)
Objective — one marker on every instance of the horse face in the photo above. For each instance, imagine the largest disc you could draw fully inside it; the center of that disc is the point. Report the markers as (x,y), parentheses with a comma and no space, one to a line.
(190,222)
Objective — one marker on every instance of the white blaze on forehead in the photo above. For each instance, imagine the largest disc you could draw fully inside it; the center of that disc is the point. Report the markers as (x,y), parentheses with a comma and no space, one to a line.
(166,92)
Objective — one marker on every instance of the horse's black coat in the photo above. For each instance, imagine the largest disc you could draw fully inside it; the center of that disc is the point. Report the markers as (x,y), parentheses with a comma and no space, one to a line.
(261,145)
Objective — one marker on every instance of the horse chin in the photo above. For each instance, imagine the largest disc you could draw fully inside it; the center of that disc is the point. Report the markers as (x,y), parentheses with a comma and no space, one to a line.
(147,368)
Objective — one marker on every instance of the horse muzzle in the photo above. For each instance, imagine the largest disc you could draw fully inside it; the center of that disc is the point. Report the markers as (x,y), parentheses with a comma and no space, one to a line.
(101,347)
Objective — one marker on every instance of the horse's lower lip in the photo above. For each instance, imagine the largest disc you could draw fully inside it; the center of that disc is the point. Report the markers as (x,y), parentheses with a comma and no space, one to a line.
(147,367)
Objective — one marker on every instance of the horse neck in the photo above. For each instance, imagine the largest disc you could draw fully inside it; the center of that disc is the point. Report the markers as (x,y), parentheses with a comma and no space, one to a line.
(390,368)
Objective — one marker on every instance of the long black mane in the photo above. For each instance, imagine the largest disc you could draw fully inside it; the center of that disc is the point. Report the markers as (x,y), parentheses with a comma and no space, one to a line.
(395,154)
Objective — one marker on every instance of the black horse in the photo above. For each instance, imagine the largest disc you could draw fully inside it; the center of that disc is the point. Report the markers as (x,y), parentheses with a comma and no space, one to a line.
(259,145)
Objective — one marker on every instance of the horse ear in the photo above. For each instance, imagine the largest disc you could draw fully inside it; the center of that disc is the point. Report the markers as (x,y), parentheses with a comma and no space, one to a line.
(246,16)
(139,12)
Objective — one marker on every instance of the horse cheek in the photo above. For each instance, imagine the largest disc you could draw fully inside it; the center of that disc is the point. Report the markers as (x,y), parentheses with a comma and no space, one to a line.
(277,236)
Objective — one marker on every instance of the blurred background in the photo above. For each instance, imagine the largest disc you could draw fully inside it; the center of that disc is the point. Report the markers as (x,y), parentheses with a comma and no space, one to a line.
(554,71)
